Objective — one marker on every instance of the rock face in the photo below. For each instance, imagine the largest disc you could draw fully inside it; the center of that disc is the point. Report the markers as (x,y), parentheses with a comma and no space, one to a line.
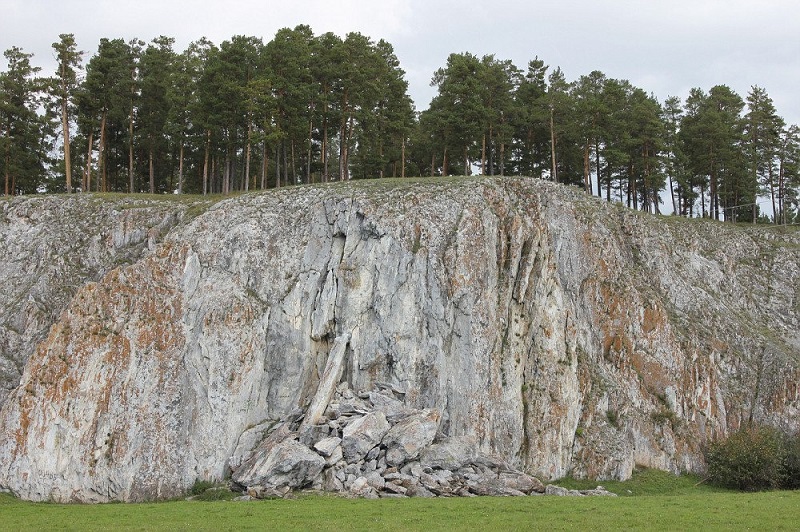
(522,320)
(52,246)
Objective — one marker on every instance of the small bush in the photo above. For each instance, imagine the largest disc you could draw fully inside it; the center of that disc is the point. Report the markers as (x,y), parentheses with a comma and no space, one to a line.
(752,459)
(200,486)
(792,462)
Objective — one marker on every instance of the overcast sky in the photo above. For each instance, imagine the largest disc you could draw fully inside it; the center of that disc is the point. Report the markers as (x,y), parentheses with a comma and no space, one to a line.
(663,46)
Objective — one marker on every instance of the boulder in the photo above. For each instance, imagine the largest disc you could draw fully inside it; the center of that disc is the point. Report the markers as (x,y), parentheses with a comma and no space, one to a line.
(552,489)
(361,435)
(327,446)
(407,438)
(281,462)
(450,455)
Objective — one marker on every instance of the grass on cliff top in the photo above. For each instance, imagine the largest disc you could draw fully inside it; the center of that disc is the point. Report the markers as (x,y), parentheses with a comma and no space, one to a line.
(656,501)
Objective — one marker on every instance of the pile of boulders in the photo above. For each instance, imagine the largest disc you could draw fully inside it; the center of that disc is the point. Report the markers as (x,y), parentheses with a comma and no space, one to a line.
(372,445)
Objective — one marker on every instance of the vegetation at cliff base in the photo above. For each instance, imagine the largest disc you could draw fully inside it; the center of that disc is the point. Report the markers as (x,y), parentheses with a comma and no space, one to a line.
(701,511)
(651,499)
(754,459)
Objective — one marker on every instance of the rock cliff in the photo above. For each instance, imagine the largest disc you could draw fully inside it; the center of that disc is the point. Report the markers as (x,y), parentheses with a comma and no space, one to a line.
(559,333)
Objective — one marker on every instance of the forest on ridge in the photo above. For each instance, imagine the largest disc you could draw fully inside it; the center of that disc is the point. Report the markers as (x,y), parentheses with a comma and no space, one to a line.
(305,108)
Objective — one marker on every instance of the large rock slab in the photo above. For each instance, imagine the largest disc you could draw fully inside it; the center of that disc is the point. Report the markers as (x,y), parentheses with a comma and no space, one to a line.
(362,435)
(451,455)
(408,437)
(280,462)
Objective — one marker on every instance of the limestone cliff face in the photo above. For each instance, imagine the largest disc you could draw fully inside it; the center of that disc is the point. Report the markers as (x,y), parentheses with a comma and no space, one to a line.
(51,246)
(563,334)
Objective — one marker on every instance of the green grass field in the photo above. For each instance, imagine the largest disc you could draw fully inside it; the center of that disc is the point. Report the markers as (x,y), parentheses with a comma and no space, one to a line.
(650,501)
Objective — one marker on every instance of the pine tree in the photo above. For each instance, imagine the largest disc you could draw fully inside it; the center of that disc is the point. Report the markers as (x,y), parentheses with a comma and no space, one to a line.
(22,152)
(66,82)
(762,128)
(156,77)
(531,117)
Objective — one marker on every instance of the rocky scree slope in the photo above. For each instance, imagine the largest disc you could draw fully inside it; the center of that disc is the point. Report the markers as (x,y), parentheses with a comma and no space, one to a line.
(560,334)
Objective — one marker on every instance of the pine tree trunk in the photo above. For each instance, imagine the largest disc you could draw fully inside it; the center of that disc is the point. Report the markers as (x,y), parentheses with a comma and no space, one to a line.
(87,177)
(309,178)
(205,162)
(672,189)
(7,172)
(263,165)
(101,163)
(325,175)
(772,194)
(294,164)
(483,155)
(586,178)
(247,157)
(151,169)
(226,174)
(67,157)
(502,158)
(180,169)
(130,153)
(285,165)
(781,193)
(554,175)
(277,166)
(403,158)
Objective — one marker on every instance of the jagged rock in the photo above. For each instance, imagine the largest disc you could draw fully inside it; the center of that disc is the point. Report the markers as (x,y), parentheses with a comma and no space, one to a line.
(393,409)
(267,492)
(420,491)
(335,456)
(506,484)
(331,481)
(361,487)
(394,487)
(248,441)
(493,488)
(361,435)
(330,377)
(309,434)
(599,491)
(450,455)
(522,482)
(408,437)
(376,480)
(327,446)
(280,462)
(552,489)
(373,454)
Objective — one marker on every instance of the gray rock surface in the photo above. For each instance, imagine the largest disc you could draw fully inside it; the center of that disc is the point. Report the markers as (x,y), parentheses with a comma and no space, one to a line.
(409,436)
(280,462)
(359,437)
(557,333)
(54,245)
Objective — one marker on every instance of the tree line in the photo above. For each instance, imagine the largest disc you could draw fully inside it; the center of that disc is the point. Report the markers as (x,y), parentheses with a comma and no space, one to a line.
(302,108)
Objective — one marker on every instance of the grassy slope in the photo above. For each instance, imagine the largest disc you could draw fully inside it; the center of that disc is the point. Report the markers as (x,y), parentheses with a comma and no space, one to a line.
(656,501)
(762,511)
